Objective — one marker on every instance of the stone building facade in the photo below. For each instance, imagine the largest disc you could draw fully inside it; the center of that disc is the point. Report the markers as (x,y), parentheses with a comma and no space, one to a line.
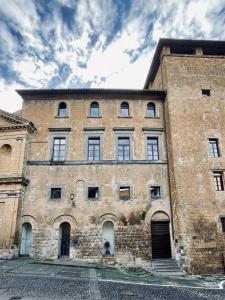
(121,176)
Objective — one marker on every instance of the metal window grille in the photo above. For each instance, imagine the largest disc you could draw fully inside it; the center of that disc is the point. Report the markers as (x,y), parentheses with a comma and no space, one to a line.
(59,149)
(152,149)
(123,149)
(218,181)
(94,149)
(214,149)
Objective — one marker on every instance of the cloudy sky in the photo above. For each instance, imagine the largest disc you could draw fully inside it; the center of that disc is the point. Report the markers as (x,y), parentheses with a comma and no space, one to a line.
(93,43)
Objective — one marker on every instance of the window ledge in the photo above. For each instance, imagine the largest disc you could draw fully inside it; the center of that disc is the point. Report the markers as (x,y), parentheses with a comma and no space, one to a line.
(58,117)
(129,117)
(146,117)
(90,117)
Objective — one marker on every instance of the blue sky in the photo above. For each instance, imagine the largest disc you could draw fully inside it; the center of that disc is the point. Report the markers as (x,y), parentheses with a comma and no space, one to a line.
(93,43)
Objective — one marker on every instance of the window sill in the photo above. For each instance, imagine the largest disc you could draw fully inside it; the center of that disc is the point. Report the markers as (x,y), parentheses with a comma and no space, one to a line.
(58,117)
(129,117)
(90,117)
(146,117)
(156,198)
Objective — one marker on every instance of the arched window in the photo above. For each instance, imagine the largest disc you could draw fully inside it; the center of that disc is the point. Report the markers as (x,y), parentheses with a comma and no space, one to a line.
(151,110)
(124,109)
(5,157)
(62,110)
(94,109)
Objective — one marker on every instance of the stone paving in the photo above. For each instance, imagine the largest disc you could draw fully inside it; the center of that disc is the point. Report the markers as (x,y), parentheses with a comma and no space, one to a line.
(26,279)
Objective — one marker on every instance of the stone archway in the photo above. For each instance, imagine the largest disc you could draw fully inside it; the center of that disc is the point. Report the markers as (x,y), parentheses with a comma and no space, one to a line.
(160,234)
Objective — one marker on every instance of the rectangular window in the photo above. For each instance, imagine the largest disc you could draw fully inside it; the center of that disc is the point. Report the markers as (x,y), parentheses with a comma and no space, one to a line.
(223,223)
(214,148)
(123,148)
(93,148)
(124,192)
(93,193)
(218,181)
(155,192)
(152,148)
(56,193)
(59,149)
(206,93)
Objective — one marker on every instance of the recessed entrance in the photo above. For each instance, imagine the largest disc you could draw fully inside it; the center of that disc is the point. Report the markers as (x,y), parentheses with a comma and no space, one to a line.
(64,239)
(160,233)
(26,239)
(108,238)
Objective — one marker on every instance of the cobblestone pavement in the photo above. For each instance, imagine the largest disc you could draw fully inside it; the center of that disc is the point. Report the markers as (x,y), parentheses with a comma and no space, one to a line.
(25,279)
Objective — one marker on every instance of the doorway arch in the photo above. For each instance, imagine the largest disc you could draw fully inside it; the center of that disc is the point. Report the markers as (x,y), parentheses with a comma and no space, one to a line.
(64,239)
(160,233)
(26,239)
(108,238)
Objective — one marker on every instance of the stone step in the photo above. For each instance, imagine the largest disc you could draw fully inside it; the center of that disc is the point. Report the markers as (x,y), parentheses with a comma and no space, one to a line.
(166,266)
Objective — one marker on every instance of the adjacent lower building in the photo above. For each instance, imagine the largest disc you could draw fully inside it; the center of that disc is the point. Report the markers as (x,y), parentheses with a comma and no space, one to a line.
(121,176)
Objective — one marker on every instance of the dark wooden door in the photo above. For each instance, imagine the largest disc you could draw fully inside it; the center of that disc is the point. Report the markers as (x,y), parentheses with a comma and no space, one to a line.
(65,239)
(160,239)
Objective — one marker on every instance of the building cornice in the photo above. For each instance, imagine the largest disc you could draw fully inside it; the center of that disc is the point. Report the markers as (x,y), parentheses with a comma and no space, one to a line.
(52,94)
(17,179)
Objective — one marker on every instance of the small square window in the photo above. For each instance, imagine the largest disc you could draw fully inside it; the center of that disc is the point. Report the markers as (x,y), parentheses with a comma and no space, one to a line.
(124,192)
(93,193)
(206,93)
(56,193)
(155,192)
(223,223)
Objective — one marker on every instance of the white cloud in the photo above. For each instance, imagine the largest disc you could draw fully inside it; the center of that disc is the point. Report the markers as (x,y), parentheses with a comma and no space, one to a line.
(123,63)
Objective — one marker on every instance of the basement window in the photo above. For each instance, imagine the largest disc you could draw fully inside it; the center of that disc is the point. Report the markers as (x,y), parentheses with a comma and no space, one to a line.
(56,193)
(222,219)
(155,192)
(93,193)
(206,93)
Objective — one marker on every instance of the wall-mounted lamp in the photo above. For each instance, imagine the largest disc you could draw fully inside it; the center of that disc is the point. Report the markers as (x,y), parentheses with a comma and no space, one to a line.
(72,196)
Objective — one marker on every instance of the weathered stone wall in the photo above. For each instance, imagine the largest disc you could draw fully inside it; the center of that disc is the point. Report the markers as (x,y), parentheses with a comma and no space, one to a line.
(190,120)
(131,218)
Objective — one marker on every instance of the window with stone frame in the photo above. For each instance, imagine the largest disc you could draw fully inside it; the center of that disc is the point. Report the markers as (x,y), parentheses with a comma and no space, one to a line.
(62,110)
(124,192)
(123,148)
(124,109)
(155,192)
(218,181)
(152,148)
(214,148)
(94,109)
(93,193)
(59,149)
(151,113)
(56,193)
(94,148)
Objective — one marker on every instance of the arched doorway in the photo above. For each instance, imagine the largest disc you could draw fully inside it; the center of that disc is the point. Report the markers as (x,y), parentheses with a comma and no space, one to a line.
(64,239)
(108,238)
(160,233)
(26,239)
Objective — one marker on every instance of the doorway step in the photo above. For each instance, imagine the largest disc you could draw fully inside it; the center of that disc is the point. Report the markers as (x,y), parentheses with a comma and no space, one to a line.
(108,261)
(166,267)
